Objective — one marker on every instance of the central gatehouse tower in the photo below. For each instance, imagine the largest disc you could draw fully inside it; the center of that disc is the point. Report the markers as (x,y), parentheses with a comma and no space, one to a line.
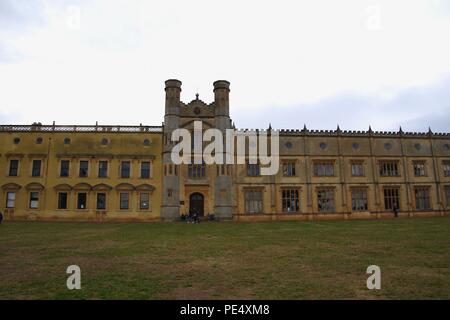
(196,188)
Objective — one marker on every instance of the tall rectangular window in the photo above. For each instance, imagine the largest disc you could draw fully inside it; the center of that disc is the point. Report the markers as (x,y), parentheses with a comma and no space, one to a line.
(359,199)
(10,200)
(145,169)
(357,168)
(289,168)
(419,168)
(253,170)
(290,200)
(124,201)
(34,200)
(102,169)
(82,200)
(62,200)
(389,168)
(323,168)
(84,169)
(447,196)
(391,198)
(325,200)
(65,167)
(13,168)
(422,196)
(196,170)
(101,201)
(36,168)
(125,169)
(446,167)
(253,201)
(144,201)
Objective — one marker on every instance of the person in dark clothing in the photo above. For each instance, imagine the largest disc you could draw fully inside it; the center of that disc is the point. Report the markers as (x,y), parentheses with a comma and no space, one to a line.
(1,217)
(395,210)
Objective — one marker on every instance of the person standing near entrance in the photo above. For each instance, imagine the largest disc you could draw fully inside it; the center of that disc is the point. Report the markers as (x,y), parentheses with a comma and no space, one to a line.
(395,210)
(1,217)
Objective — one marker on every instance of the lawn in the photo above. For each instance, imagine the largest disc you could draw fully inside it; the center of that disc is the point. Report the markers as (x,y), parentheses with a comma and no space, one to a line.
(226,260)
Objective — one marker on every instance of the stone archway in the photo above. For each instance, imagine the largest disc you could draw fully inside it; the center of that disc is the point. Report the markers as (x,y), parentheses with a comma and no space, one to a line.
(197,204)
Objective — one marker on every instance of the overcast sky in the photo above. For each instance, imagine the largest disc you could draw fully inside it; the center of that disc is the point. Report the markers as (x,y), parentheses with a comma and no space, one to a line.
(319,63)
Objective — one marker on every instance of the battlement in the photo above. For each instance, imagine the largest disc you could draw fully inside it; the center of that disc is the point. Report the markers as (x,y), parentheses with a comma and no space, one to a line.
(79,128)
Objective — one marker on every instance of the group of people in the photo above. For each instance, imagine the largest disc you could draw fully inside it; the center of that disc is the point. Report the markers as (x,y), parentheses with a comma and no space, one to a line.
(193,217)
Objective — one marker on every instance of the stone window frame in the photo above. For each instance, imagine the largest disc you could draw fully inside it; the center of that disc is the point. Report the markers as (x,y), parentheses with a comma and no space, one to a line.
(8,173)
(69,161)
(295,190)
(392,194)
(329,190)
(325,164)
(446,168)
(32,162)
(150,171)
(423,202)
(293,166)
(357,163)
(424,169)
(128,200)
(260,202)
(357,201)
(107,168)
(130,169)
(7,200)
(88,167)
(30,199)
(389,168)
(58,193)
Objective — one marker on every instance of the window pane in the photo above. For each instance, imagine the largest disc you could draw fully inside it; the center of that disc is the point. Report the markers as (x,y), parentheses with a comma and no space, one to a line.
(391,198)
(13,168)
(10,199)
(357,169)
(389,168)
(102,169)
(81,201)
(359,199)
(36,170)
(62,200)
(290,201)
(144,201)
(253,201)
(101,201)
(447,193)
(84,168)
(325,200)
(34,200)
(325,168)
(65,165)
(422,196)
(125,169)
(124,201)
(289,169)
(145,170)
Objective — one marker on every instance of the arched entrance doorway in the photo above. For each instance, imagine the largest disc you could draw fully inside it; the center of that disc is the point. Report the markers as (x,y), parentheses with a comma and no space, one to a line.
(196,204)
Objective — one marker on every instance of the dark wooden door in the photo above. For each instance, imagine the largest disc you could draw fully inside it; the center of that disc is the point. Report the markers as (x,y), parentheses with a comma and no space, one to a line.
(196,204)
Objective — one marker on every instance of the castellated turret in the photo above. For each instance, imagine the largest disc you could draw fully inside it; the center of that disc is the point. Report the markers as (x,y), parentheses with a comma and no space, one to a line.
(222,104)
(173,91)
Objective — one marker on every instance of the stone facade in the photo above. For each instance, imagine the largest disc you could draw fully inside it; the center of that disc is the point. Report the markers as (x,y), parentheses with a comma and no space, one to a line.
(130,175)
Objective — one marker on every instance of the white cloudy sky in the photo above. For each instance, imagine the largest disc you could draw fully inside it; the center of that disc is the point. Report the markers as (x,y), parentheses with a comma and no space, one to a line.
(352,62)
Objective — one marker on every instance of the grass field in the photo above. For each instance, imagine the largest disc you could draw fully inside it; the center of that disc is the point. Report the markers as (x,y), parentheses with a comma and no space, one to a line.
(226,260)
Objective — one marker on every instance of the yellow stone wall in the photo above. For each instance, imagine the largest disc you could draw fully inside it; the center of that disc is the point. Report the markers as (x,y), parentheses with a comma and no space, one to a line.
(120,146)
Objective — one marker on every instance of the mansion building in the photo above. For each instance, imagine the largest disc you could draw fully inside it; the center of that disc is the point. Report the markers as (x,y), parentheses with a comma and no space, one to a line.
(110,173)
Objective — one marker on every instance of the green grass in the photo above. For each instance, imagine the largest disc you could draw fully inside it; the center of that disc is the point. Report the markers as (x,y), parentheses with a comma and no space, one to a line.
(227,260)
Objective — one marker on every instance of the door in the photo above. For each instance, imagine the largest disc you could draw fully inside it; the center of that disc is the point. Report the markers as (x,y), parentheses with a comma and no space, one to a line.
(196,204)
